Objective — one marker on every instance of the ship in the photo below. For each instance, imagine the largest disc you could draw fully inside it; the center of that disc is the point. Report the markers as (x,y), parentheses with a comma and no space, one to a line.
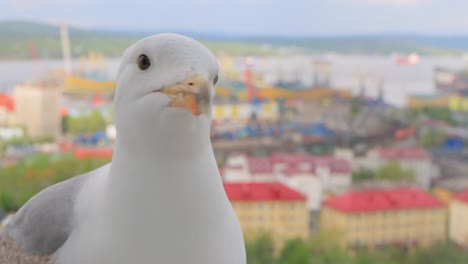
(411,59)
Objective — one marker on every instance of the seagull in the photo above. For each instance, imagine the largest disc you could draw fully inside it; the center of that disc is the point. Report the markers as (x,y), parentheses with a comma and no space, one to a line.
(161,198)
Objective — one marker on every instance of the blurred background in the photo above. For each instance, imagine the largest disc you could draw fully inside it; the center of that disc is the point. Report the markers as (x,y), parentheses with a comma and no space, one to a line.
(339,127)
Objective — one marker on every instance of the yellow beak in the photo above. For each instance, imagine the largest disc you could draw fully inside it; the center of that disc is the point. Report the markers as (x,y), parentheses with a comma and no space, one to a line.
(192,94)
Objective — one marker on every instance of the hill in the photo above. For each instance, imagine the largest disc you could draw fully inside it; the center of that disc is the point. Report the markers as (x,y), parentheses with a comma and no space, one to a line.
(23,40)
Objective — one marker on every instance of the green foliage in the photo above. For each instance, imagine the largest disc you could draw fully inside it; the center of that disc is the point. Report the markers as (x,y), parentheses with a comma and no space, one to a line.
(356,106)
(260,250)
(16,37)
(432,138)
(391,171)
(93,122)
(437,113)
(324,248)
(23,180)
(363,175)
(294,252)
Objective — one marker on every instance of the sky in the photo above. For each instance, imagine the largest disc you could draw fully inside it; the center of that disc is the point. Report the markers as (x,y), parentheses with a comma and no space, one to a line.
(251,17)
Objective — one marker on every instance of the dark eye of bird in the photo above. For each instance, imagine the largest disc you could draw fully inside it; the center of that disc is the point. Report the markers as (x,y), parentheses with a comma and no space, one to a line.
(143,62)
(215,80)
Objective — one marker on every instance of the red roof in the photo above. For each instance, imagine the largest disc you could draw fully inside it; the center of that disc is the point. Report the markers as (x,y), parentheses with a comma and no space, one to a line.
(93,152)
(259,165)
(98,101)
(7,102)
(264,191)
(340,166)
(403,153)
(292,160)
(404,132)
(64,111)
(383,200)
(462,196)
(233,167)
(296,170)
(289,157)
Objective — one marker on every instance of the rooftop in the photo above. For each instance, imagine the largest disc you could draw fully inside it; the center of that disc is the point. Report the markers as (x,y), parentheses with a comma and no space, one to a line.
(383,200)
(292,160)
(93,152)
(7,102)
(259,165)
(463,196)
(264,191)
(403,153)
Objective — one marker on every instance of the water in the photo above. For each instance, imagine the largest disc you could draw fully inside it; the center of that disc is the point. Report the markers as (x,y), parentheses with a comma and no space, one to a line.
(399,80)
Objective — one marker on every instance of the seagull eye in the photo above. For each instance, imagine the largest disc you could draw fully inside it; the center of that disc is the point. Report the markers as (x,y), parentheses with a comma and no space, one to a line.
(215,80)
(143,62)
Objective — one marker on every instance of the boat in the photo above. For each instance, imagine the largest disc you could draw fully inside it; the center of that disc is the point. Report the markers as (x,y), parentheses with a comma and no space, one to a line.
(411,59)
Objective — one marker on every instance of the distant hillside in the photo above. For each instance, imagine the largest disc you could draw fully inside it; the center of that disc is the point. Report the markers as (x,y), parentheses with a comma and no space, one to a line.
(22,40)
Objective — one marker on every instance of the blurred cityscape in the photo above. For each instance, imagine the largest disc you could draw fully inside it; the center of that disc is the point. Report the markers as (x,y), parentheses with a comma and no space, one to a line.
(364,151)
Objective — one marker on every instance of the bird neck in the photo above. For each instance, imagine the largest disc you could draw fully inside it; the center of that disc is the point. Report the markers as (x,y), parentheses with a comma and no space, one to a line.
(140,180)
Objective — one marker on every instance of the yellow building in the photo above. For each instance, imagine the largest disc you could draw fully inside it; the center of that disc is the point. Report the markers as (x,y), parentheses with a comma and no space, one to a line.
(442,194)
(446,189)
(269,207)
(243,111)
(421,101)
(379,217)
(458,229)
(458,103)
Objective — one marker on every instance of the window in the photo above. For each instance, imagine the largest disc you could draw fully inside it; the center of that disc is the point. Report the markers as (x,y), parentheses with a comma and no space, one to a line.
(261,206)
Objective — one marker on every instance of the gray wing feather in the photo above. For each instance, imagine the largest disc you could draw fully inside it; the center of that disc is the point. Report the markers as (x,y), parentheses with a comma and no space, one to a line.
(44,223)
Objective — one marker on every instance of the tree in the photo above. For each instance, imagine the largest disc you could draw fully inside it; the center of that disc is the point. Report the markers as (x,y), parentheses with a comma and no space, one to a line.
(260,250)
(327,247)
(91,123)
(29,176)
(356,106)
(363,175)
(294,251)
(393,171)
(432,138)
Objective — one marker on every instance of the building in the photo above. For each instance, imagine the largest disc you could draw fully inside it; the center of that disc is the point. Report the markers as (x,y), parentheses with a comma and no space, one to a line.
(447,188)
(379,217)
(309,174)
(269,207)
(416,159)
(7,108)
(37,108)
(458,228)
(418,101)
(244,111)
(243,168)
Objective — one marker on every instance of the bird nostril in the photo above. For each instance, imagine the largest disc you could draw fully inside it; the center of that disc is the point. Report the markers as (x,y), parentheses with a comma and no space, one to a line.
(191,83)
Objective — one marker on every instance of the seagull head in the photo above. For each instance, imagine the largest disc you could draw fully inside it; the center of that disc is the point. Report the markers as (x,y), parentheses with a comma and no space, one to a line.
(164,93)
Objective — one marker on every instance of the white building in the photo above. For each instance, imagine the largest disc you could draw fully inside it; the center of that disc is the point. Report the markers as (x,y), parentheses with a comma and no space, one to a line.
(309,174)
(418,160)
(37,108)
